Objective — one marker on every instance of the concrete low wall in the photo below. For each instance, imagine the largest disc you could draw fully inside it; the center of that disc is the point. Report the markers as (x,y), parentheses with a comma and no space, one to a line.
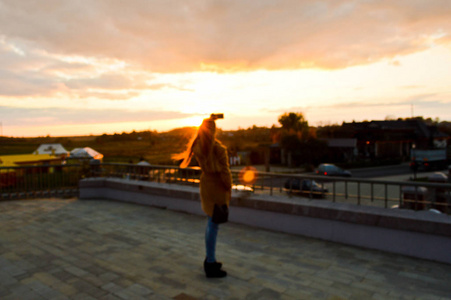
(417,234)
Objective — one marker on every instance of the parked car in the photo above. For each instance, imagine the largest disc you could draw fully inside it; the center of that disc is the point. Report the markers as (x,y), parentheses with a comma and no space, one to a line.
(305,187)
(332,170)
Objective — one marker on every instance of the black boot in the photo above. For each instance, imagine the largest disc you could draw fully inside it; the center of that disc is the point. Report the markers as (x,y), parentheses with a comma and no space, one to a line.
(213,270)
(219,264)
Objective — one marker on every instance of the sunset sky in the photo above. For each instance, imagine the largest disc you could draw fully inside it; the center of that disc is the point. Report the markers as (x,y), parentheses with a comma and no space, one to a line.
(104,66)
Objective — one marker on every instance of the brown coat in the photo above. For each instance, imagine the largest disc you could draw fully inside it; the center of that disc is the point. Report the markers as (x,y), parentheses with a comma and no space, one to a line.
(216,178)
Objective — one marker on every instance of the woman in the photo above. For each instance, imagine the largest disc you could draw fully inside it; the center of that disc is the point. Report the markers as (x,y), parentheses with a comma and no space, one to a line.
(215,186)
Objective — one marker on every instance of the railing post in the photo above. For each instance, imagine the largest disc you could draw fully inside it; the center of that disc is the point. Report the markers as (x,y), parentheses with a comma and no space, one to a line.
(448,201)
(372,192)
(270,182)
(25,183)
(358,193)
(311,188)
(416,198)
(40,179)
(433,200)
(333,189)
(346,189)
(386,196)
(291,187)
(400,196)
(14,185)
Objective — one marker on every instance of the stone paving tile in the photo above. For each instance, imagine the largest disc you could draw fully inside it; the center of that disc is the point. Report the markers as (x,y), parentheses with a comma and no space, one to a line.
(93,249)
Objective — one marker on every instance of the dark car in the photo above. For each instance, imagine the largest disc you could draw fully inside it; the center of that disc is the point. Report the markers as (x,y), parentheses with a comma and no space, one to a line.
(305,187)
(332,170)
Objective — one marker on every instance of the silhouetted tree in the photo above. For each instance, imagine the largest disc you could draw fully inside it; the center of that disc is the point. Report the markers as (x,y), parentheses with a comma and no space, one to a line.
(299,140)
(293,122)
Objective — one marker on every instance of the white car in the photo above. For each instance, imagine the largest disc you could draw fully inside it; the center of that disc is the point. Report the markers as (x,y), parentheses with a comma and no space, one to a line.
(332,170)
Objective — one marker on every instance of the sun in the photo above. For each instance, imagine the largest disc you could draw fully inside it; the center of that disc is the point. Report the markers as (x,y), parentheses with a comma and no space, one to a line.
(194,121)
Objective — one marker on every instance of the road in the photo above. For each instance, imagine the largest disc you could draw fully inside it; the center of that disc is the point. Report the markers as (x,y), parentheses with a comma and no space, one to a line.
(374,194)
(396,172)
(399,172)
(401,169)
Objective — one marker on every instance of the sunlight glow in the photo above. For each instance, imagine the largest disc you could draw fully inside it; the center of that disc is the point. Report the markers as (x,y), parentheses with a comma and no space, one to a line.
(195,121)
(373,91)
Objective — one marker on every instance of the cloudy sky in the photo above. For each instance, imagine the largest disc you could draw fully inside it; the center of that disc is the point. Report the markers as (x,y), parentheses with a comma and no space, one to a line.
(104,66)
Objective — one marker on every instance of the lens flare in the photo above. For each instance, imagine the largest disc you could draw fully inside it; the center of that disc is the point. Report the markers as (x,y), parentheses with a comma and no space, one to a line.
(248,175)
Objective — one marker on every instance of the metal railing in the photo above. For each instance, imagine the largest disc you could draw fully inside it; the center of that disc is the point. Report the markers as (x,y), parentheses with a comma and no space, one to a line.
(62,180)
(369,192)
(40,181)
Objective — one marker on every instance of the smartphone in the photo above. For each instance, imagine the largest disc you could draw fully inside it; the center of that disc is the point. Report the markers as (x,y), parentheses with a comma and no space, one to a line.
(216,116)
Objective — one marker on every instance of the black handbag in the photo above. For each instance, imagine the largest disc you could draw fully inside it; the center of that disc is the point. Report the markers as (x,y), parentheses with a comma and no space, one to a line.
(220,214)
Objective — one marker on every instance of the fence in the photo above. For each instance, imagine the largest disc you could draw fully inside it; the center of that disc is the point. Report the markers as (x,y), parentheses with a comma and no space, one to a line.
(62,180)
(40,181)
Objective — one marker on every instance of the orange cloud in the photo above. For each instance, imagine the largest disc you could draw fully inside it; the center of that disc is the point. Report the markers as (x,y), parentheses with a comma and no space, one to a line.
(170,36)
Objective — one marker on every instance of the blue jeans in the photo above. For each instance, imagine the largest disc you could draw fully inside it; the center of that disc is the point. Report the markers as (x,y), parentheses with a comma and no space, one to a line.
(210,240)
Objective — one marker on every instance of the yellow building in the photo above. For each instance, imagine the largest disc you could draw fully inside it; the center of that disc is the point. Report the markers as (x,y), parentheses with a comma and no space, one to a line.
(29,160)
(11,177)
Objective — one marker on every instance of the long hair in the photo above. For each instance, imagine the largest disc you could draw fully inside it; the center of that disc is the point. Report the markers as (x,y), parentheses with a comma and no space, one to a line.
(205,137)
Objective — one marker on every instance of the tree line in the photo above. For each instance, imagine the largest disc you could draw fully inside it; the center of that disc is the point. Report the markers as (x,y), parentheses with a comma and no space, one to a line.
(301,143)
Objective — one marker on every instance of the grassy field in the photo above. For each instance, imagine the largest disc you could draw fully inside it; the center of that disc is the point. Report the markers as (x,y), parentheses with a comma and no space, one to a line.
(156,148)
(151,146)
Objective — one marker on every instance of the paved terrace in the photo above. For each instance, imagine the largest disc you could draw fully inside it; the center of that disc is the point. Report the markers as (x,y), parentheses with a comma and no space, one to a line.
(98,249)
